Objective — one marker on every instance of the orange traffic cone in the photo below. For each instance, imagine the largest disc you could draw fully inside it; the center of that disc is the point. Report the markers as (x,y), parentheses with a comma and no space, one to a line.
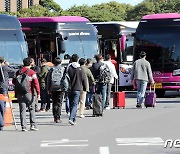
(8,116)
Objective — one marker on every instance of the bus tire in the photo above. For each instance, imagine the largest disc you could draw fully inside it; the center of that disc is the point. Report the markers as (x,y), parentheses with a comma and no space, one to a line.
(160,93)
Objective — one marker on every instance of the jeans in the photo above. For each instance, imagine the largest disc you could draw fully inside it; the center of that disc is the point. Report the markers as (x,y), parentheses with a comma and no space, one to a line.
(89,95)
(101,89)
(67,102)
(45,99)
(141,89)
(2,111)
(74,97)
(108,94)
(29,101)
(57,98)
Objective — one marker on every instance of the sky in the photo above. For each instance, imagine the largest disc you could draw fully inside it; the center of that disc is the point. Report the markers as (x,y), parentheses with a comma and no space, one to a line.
(66,4)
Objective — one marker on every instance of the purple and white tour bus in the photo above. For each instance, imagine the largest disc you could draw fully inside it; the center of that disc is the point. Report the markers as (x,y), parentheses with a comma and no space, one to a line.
(159,36)
(49,37)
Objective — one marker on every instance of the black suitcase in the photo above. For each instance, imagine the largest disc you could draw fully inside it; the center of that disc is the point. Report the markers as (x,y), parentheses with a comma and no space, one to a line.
(97,105)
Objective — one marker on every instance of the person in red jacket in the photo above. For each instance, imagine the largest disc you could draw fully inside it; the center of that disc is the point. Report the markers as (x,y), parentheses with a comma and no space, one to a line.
(28,99)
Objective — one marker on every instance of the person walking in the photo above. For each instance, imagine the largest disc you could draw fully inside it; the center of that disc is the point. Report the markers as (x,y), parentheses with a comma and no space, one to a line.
(141,73)
(113,75)
(53,86)
(101,87)
(5,69)
(42,76)
(37,69)
(88,75)
(27,98)
(91,81)
(78,83)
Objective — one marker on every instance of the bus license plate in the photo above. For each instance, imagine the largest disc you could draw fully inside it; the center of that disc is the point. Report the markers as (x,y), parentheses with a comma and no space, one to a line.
(158,85)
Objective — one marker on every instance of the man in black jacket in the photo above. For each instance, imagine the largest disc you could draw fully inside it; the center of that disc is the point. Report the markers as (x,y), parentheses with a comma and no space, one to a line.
(5,69)
(78,83)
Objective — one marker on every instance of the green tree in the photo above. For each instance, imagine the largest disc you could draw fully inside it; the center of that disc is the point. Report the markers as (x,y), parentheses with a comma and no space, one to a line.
(111,11)
(144,8)
(51,5)
(34,11)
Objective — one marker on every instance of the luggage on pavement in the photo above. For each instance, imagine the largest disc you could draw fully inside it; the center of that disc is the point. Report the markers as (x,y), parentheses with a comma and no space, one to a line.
(150,98)
(97,105)
(118,97)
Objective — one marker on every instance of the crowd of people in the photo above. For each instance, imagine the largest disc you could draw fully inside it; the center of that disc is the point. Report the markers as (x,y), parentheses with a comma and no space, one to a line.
(75,84)
(43,84)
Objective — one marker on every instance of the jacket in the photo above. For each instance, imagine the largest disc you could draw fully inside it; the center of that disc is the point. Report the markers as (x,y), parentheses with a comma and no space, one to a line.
(42,75)
(113,71)
(6,71)
(89,76)
(96,69)
(142,70)
(77,77)
(33,81)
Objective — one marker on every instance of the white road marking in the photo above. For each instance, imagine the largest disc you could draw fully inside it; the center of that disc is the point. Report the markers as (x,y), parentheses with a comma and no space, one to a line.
(140,141)
(64,143)
(104,150)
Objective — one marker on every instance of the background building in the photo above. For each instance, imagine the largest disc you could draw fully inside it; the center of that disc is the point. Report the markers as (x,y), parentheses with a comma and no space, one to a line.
(16,5)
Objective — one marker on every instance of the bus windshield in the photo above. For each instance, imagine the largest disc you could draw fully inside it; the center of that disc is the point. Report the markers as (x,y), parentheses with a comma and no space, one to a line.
(85,46)
(161,43)
(12,46)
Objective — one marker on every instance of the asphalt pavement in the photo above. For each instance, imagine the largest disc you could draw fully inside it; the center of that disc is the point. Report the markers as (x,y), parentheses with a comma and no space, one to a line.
(119,131)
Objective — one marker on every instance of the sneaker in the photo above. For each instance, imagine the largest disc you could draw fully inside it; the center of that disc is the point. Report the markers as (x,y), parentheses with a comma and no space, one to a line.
(24,130)
(1,128)
(71,122)
(33,128)
(81,116)
(139,105)
(87,108)
(47,110)
(107,108)
(42,110)
(57,120)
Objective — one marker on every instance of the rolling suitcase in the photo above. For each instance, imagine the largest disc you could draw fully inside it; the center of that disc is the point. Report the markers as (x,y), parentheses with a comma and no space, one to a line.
(118,97)
(97,105)
(150,98)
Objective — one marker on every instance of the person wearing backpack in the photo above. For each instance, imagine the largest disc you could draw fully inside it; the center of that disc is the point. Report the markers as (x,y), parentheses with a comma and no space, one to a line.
(54,88)
(5,69)
(42,76)
(25,82)
(102,75)
(113,75)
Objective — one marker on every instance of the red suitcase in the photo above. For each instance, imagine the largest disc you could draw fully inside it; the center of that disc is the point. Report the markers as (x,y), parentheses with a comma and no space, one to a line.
(118,97)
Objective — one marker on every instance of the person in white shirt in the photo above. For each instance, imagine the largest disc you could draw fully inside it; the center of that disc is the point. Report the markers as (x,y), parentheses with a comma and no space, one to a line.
(113,75)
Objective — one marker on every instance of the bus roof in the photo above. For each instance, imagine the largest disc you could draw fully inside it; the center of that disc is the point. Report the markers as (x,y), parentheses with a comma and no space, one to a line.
(130,24)
(53,19)
(162,16)
(9,22)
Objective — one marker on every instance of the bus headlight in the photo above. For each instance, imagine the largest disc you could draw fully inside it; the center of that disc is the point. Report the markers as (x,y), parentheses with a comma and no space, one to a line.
(125,70)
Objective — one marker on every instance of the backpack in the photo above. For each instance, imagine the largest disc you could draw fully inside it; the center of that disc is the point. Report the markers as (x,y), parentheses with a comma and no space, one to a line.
(56,76)
(22,83)
(105,74)
(65,83)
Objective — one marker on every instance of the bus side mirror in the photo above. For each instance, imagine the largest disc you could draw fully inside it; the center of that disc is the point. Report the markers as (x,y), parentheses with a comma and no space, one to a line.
(122,42)
(61,47)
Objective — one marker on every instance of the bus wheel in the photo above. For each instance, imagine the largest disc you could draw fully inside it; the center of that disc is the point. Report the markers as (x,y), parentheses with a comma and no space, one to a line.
(160,93)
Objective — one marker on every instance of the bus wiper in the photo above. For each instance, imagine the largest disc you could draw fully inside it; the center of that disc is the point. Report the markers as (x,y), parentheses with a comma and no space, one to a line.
(15,64)
(169,61)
